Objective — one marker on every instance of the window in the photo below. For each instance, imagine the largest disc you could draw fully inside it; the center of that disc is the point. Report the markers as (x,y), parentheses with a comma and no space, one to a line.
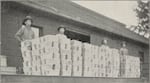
(77,36)
(141,55)
(37,31)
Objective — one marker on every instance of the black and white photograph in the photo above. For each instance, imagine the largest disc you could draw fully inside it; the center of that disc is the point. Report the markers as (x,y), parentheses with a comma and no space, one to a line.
(74,41)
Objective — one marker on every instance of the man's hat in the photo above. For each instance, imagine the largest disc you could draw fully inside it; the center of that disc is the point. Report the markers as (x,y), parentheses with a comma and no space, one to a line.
(62,26)
(28,17)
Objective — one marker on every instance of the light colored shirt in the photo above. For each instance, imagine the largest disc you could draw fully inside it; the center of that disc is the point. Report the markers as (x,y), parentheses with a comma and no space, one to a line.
(25,33)
(61,36)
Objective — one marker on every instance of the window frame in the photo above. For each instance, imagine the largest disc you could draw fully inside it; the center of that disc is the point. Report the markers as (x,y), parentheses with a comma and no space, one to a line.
(83,35)
(40,29)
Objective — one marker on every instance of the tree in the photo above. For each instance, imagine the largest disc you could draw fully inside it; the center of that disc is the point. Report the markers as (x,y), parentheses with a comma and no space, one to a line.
(142,12)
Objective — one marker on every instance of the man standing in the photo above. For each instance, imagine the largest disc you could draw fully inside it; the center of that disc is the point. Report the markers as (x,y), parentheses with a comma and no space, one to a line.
(61,32)
(23,34)
(123,55)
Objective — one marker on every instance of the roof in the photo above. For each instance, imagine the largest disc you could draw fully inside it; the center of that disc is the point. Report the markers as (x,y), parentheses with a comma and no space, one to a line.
(78,13)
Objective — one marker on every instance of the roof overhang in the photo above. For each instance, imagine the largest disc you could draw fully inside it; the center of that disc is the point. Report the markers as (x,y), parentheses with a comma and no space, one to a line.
(112,26)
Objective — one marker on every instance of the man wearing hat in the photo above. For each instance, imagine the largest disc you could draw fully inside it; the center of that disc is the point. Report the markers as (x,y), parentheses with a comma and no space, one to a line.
(61,32)
(25,32)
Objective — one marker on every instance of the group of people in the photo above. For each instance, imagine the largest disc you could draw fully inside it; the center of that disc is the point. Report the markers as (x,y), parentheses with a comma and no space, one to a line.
(26,32)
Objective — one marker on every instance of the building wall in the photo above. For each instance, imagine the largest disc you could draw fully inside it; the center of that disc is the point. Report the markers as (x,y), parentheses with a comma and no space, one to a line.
(12,19)
(0,29)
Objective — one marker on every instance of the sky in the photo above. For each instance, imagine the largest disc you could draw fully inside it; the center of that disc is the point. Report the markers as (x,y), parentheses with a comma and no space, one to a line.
(122,11)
